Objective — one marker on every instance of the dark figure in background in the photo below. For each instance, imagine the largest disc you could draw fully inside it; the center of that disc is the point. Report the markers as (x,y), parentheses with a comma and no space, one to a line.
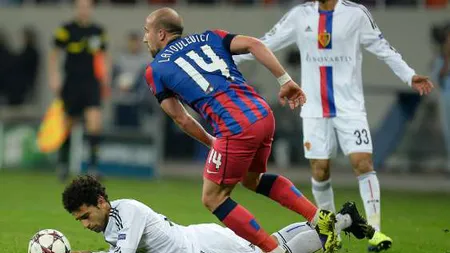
(5,66)
(25,66)
(86,65)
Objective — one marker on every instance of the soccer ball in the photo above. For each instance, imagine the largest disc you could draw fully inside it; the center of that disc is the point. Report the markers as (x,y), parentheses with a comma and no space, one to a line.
(49,241)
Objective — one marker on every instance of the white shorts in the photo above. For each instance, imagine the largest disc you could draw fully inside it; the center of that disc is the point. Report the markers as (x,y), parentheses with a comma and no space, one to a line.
(212,238)
(319,136)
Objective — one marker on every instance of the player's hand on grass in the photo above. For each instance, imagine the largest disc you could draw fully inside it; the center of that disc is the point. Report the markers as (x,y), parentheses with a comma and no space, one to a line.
(292,93)
(422,84)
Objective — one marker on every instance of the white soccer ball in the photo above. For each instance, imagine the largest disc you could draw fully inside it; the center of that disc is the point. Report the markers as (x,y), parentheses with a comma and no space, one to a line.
(49,241)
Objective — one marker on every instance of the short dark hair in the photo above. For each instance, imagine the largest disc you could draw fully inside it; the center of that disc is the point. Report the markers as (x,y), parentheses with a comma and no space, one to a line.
(82,190)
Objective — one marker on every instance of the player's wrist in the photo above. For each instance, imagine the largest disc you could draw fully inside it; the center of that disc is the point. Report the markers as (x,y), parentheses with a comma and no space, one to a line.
(284,79)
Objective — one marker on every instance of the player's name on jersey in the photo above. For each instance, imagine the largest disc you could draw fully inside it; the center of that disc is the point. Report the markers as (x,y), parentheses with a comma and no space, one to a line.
(179,45)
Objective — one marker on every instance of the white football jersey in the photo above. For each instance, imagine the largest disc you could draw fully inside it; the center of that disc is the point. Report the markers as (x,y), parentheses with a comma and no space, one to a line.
(134,227)
(330,47)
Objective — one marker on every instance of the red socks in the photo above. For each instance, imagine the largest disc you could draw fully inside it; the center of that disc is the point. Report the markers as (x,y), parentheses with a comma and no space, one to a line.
(243,223)
(284,192)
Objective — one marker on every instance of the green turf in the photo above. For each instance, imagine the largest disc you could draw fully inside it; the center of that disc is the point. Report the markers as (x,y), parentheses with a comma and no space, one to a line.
(417,222)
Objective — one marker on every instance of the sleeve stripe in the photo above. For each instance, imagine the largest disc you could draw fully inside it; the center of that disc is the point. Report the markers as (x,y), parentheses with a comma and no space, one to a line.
(114,213)
(369,16)
(221,33)
(226,42)
(118,223)
(149,79)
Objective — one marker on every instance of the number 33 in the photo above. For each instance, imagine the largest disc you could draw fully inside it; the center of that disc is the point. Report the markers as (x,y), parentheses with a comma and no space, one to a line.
(362,136)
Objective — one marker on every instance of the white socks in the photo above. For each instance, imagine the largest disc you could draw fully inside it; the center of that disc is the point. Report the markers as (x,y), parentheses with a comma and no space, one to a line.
(369,188)
(301,238)
(323,194)
(298,238)
(287,233)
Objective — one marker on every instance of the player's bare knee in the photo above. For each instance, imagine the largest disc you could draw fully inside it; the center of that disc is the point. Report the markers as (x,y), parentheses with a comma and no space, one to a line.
(94,126)
(252,182)
(320,170)
(363,164)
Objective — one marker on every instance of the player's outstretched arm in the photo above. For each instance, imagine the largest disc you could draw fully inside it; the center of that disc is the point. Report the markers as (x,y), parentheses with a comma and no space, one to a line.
(289,90)
(279,37)
(185,121)
(373,40)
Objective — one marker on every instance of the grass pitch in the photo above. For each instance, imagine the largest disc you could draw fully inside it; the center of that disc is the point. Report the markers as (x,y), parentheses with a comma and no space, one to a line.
(417,222)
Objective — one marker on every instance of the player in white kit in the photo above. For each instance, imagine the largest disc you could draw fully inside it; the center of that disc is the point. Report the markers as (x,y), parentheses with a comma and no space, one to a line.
(329,35)
(130,226)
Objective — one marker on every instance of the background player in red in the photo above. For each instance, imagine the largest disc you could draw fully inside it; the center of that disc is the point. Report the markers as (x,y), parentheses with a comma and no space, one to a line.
(198,70)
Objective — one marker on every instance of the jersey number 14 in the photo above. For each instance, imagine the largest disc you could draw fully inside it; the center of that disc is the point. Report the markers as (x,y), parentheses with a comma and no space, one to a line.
(216,64)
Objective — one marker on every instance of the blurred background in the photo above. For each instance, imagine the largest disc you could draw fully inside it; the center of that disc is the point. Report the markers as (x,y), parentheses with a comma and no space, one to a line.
(410,133)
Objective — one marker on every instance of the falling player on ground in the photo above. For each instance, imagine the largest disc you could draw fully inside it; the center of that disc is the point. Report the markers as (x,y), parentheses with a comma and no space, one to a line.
(130,226)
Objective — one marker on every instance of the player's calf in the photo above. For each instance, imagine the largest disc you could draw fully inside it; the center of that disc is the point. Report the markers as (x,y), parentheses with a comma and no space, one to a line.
(244,224)
(283,191)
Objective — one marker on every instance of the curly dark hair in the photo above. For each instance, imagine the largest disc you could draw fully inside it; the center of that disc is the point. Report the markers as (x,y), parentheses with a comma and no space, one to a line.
(82,190)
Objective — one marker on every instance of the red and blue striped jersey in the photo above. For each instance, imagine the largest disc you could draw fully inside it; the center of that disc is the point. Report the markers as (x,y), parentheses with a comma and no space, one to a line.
(199,70)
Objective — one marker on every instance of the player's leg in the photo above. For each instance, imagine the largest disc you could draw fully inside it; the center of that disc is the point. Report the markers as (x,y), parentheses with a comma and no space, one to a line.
(93,119)
(283,191)
(301,238)
(64,152)
(369,186)
(70,97)
(275,187)
(320,145)
(236,217)
(319,141)
(225,166)
(356,142)
(286,234)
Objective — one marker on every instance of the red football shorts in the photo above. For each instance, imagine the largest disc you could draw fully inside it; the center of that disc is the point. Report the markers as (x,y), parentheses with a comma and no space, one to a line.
(232,157)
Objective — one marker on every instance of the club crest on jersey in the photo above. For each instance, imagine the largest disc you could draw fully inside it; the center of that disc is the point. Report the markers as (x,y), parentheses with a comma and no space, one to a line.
(121,237)
(307,145)
(324,38)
